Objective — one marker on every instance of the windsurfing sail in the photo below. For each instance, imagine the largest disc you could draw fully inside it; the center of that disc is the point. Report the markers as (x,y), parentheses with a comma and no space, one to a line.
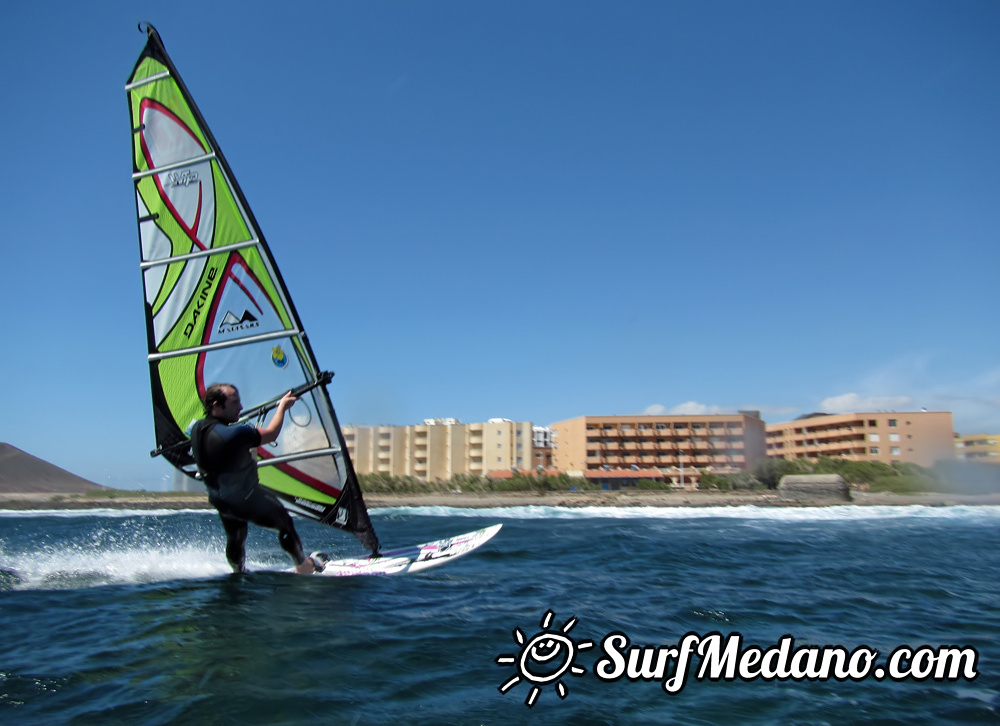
(217,309)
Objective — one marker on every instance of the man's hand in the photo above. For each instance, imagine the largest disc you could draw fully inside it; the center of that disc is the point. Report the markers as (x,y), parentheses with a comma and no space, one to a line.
(286,402)
(270,432)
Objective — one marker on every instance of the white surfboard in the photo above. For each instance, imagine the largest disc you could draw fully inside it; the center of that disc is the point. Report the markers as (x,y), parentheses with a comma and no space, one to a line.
(411,559)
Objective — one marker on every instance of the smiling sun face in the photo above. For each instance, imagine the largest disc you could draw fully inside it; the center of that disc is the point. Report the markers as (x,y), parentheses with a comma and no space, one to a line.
(544,658)
(541,657)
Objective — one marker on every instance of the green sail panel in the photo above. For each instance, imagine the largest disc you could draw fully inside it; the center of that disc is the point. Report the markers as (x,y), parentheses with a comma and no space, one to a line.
(217,309)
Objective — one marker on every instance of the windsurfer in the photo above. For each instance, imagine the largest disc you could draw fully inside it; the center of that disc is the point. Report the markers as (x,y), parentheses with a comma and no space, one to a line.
(223,451)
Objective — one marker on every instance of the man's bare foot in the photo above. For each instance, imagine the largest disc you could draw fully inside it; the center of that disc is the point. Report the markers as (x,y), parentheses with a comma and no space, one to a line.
(319,560)
(306,567)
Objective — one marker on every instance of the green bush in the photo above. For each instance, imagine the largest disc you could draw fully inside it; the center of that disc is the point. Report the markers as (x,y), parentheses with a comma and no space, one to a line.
(652,485)
(901,484)
(714,481)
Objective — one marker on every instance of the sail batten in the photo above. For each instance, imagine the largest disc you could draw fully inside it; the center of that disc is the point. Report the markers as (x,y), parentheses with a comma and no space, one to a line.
(217,309)
(223,344)
(146,81)
(297,457)
(183,164)
(193,255)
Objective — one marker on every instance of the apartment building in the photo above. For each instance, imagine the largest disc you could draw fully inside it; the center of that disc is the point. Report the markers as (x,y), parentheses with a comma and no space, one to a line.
(978,447)
(921,437)
(440,448)
(541,447)
(681,447)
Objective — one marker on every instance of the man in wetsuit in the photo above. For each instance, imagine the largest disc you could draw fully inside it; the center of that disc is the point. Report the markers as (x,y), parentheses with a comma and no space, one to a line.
(224,452)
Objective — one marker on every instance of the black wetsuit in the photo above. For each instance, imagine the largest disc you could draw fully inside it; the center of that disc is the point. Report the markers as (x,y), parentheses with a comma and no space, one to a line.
(224,454)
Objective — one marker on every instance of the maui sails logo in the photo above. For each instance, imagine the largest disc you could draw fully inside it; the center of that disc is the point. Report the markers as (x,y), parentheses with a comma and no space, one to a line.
(232,322)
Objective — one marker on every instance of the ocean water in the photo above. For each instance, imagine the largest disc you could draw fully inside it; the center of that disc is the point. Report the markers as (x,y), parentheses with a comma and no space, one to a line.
(132,617)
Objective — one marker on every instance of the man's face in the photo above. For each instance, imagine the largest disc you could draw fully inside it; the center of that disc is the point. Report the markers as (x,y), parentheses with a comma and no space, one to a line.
(231,411)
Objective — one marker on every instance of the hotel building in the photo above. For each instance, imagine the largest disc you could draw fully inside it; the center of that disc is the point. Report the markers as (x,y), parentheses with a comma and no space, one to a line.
(681,447)
(440,448)
(978,447)
(916,437)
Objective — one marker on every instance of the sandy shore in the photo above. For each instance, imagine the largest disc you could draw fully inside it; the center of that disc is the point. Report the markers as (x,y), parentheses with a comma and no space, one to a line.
(124,500)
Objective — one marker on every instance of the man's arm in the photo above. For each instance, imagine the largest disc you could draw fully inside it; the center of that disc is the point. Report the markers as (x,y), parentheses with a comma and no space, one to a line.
(270,432)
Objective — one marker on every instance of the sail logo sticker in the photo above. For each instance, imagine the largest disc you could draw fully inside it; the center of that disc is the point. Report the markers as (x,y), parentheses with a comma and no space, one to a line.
(544,658)
(180,178)
(278,357)
(231,322)
(200,302)
(314,506)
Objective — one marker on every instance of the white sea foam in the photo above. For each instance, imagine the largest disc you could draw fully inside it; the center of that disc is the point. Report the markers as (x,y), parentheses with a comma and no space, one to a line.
(790,514)
(105,512)
(787,514)
(87,567)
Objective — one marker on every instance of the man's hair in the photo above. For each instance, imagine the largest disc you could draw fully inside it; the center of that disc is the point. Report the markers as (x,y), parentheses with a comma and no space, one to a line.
(216,394)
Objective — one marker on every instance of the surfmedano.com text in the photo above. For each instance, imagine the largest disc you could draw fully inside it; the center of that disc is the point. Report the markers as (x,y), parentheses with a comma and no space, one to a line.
(725,658)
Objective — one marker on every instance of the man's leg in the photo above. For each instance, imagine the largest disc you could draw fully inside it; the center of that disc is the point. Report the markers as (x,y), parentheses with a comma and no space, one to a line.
(236,537)
(266,511)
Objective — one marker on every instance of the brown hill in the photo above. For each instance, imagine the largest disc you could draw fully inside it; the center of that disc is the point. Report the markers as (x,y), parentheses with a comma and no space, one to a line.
(23,473)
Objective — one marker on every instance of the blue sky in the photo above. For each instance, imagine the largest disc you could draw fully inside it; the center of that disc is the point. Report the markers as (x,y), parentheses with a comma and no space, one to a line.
(534,210)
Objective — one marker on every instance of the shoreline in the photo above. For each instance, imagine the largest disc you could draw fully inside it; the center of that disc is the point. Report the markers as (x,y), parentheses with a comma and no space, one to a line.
(489,500)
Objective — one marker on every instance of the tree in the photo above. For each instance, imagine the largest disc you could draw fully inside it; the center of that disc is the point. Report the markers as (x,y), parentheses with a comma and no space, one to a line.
(769,471)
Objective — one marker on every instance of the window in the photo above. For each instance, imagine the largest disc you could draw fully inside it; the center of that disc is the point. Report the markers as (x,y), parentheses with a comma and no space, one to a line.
(872,422)
(873,450)
(892,423)
(894,451)
(893,437)
(873,437)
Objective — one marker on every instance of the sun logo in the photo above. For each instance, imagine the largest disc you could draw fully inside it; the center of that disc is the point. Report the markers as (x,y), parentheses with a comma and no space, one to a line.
(278,357)
(544,659)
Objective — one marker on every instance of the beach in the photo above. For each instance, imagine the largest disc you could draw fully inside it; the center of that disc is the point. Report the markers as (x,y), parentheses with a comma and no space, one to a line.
(486,500)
